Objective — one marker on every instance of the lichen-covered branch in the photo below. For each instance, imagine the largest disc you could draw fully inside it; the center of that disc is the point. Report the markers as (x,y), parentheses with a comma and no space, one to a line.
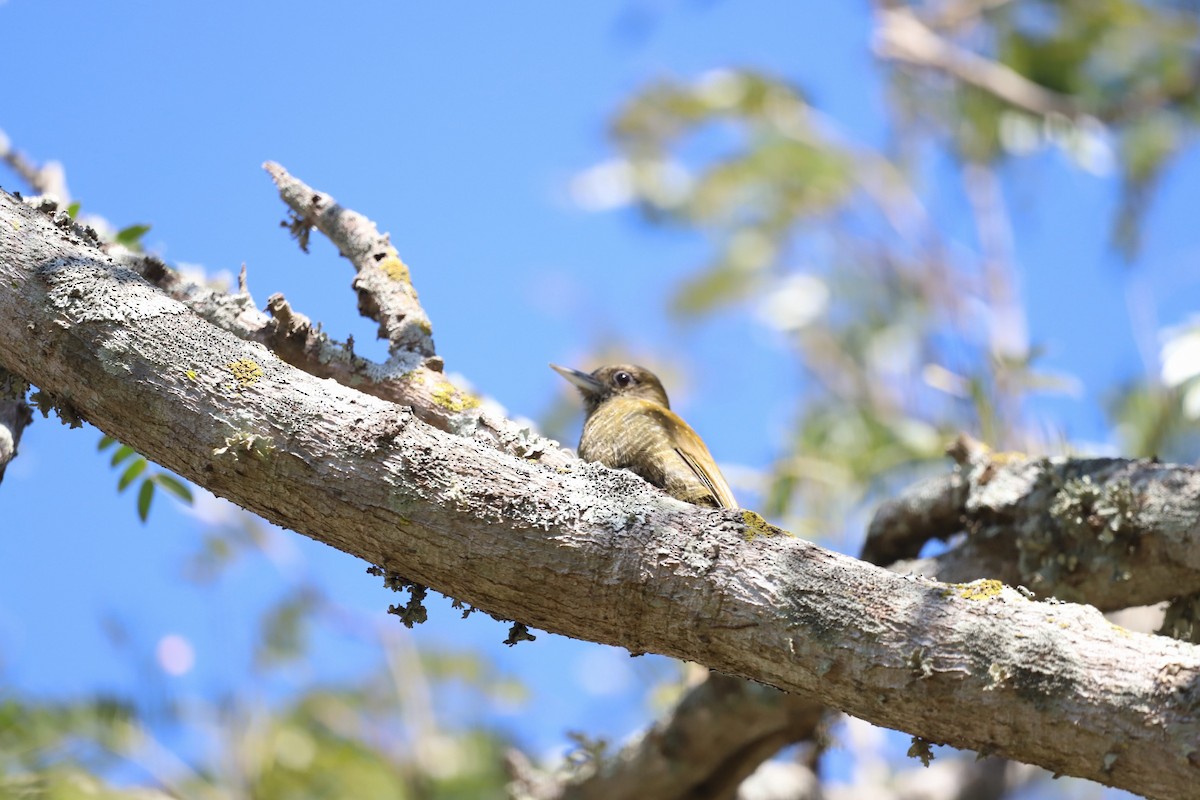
(384,286)
(292,337)
(1110,532)
(589,552)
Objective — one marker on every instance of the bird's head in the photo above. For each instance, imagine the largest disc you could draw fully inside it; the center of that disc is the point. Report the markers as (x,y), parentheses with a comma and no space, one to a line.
(618,380)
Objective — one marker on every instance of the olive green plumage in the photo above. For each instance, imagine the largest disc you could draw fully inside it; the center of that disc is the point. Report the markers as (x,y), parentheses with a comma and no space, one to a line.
(630,425)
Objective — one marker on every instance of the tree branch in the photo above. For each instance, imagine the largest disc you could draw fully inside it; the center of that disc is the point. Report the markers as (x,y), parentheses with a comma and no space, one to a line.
(900,36)
(48,179)
(589,552)
(1110,532)
(933,509)
(292,337)
(960,13)
(384,286)
(714,738)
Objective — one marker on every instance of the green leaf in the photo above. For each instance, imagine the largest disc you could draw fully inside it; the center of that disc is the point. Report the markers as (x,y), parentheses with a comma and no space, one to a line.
(105,443)
(73,210)
(173,485)
(145,497)
(123,452)
(131,473)
(131,237)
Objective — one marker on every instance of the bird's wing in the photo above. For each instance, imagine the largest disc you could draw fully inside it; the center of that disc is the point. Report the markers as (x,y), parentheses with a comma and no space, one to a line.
(711,478)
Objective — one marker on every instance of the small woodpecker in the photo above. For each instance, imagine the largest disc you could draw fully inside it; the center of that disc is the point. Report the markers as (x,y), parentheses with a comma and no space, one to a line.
(630,425)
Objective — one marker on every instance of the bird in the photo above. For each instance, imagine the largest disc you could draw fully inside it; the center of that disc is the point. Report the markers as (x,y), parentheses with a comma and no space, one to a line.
(630,425)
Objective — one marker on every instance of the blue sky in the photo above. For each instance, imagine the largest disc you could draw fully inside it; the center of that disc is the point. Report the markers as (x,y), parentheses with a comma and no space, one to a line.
(458,129)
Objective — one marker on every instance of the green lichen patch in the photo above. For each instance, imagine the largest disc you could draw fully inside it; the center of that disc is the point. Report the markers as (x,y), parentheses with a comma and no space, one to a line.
(1089,526)
(922,749)
(413,612)
(1084,508)
(523,442)
(998,675)
(45,402)
(518,632)
(918,663)
(246,444)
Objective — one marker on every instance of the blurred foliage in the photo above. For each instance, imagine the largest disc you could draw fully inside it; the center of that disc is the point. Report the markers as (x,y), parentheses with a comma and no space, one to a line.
(381,735)
(1162,419)
(324,743)
(814,233)
(32,735)
(1124,70)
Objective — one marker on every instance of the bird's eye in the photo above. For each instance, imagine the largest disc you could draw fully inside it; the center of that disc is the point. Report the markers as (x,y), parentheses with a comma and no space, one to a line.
(622,379)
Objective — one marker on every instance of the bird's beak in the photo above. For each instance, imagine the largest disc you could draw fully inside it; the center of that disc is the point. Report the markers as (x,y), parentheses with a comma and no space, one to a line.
(586,383)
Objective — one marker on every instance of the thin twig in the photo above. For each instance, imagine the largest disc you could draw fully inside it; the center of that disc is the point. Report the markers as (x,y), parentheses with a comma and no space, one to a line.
(383,283)
(47,179)
(901,36)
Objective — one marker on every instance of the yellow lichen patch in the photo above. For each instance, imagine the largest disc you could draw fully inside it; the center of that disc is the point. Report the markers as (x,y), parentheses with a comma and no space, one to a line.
(395,269)
(191,375)
(757,526)
(245,372)
(451,399)
(1119,631)
(979,590)
(996,462)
